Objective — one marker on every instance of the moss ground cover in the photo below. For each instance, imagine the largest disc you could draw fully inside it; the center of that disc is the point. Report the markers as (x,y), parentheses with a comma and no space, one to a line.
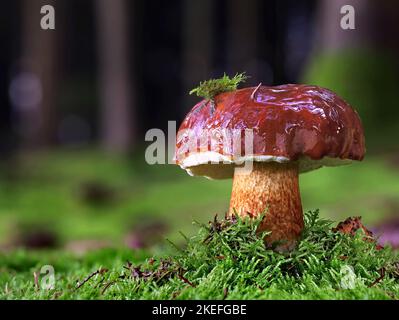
(226,259)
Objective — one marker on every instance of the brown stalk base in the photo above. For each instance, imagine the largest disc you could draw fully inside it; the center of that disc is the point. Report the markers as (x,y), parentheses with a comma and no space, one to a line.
(271,189)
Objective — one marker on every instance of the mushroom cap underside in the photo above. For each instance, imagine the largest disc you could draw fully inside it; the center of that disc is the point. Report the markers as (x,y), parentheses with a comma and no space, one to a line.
(221,167)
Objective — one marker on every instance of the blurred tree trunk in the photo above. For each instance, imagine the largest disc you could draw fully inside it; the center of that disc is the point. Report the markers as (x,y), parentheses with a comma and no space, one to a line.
(197,46)
(115,87)
(35,81)
(242,44)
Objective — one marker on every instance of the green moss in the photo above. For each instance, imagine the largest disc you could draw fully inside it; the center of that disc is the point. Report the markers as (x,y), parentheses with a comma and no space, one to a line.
(226,259)
(210,88)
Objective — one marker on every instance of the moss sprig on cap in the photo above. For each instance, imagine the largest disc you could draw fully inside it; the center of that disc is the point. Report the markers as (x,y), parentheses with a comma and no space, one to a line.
(210,88)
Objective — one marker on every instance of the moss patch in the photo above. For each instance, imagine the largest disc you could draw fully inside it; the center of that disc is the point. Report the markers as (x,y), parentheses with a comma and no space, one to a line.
(225,260)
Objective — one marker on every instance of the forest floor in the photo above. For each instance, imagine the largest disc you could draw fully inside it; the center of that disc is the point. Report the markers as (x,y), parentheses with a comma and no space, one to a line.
(91,213)
(227,259)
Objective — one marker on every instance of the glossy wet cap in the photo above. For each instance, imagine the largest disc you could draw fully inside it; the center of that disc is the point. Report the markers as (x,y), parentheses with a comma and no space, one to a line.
(307,124)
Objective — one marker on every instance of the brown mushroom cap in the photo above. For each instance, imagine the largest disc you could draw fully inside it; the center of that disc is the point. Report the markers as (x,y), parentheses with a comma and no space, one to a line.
(303,123)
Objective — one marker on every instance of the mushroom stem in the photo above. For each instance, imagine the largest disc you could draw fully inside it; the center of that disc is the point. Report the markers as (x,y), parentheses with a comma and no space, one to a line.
(271,189)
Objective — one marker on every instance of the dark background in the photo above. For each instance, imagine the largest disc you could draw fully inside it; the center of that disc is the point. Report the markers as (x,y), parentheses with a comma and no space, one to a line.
(168,47)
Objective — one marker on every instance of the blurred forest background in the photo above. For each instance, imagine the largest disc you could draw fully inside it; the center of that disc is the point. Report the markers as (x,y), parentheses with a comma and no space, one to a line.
(77,101)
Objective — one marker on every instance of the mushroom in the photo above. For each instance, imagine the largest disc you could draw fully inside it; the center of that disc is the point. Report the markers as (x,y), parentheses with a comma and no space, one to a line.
(296,129)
